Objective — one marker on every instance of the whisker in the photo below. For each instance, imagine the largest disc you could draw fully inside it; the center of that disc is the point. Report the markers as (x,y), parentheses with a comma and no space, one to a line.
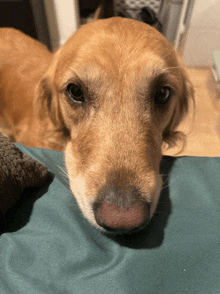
(66,178)
(66,181)
(166,179)
(65,174)
(166,69)
(169,53)
(64,171)
(174,47)
(165,182)
(164,187)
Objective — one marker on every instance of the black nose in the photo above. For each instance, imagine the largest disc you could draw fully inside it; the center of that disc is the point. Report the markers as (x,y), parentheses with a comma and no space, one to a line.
(122,210)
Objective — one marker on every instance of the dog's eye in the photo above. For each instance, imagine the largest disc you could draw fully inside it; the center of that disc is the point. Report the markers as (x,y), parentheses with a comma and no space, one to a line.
(75,93)
(163,96)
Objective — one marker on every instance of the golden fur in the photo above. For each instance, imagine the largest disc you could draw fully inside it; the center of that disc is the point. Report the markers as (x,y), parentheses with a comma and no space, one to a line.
(112,139)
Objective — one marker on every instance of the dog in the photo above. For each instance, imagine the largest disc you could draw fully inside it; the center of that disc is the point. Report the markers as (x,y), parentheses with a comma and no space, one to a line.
(108,98)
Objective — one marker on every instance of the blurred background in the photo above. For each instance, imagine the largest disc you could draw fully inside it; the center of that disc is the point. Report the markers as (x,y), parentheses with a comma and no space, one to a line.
(193,26)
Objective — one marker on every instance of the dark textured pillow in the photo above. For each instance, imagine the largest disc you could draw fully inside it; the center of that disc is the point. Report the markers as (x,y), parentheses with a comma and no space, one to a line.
(17,172)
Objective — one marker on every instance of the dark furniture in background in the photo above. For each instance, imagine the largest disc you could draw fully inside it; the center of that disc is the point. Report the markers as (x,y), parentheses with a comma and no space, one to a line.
(28,16)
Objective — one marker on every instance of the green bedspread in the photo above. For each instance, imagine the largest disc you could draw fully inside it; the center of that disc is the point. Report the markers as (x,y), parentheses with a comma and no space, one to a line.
(49,247)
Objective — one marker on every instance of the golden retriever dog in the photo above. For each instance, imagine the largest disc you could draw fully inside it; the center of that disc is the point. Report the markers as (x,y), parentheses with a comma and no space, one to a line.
(108,98)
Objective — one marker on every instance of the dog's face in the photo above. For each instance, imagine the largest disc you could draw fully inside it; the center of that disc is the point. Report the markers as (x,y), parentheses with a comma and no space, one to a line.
(119,90)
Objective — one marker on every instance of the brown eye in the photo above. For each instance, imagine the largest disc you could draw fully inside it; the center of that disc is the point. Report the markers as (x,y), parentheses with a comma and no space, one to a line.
(75,93)
(163,96)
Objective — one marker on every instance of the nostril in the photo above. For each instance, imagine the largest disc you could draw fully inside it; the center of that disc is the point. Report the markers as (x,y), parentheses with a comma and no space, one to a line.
(114,218)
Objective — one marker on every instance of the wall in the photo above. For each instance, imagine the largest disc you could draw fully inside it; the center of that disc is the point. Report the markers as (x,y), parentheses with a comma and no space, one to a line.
(62,20)
(203,36)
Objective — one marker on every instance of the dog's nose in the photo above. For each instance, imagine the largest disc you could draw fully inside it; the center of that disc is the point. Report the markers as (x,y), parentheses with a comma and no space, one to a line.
(118,214)
(121,220)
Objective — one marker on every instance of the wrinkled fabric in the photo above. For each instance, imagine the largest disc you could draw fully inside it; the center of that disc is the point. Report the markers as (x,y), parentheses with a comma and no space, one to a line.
(49,247)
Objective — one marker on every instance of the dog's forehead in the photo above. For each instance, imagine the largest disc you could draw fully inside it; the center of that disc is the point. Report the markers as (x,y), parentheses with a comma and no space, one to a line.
(114,51)
(118,30)
(110,41)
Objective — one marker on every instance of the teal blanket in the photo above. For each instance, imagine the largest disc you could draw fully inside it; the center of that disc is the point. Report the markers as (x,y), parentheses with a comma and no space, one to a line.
(49,248)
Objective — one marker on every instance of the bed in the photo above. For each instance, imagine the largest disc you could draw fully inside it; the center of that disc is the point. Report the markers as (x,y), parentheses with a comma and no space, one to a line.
(47,246)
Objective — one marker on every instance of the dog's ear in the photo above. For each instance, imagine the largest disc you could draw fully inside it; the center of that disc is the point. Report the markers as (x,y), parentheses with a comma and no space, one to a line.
(46,97)
(186,97)
(48,102)
(49,112)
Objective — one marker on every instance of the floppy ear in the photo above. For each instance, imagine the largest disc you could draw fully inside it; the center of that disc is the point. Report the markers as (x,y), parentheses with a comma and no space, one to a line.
(47,104)
(170,134)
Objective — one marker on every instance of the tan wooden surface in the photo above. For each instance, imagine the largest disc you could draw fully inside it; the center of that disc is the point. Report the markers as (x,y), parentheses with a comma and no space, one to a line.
(201,128)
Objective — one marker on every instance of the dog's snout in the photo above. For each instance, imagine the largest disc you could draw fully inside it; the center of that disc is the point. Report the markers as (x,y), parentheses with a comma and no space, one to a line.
(121,212)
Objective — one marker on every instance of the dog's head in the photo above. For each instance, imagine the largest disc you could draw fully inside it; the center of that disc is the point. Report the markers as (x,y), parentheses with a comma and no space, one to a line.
(119,91)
